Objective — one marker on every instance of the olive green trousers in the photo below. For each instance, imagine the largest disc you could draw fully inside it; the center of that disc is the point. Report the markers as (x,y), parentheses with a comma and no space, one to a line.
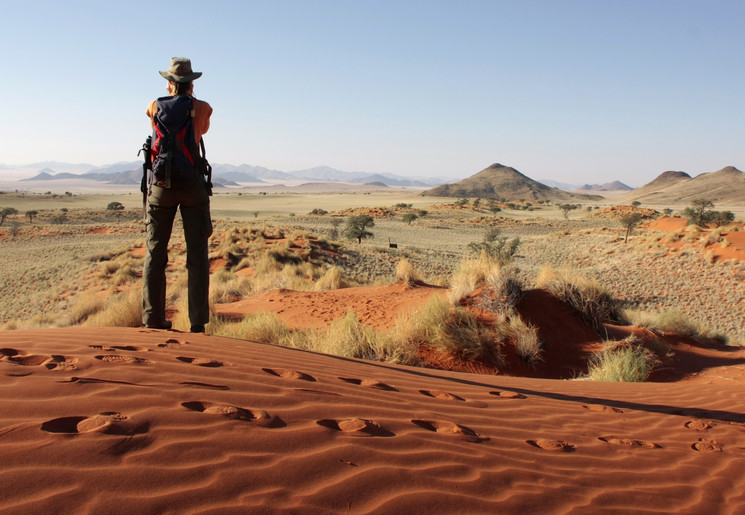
(194,204)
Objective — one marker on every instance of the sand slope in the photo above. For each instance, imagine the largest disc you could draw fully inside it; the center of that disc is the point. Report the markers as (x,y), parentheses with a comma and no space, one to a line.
(145,421)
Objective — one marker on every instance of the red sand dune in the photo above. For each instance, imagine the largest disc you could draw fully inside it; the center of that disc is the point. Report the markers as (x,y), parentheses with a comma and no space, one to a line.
(146,421)
(376,306)
(735,249)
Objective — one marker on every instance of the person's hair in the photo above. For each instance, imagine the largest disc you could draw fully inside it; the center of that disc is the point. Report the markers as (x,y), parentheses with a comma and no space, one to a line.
(180,88)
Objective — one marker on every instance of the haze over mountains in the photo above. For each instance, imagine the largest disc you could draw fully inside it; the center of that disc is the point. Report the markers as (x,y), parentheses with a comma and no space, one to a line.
(231,175)
(496,182)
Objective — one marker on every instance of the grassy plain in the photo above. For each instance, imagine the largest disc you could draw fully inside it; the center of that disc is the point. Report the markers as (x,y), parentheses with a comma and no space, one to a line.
(45,261)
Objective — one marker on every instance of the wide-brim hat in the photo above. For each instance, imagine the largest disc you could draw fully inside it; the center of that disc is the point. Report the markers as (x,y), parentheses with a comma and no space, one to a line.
(180,71)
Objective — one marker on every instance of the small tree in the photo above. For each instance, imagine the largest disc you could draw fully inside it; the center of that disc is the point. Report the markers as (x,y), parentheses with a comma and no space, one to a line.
(422,213)
(334,231)
(357,227)
(667,211)
(636,203)
(6,212)
(630,221)
(722,217)
(496,246)
(31,214)
(565,208)
(495,209)
(409,217)
(698,213)
(115,206)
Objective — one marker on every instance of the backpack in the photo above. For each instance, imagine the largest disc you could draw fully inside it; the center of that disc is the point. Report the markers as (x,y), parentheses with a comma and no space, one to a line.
(175,157)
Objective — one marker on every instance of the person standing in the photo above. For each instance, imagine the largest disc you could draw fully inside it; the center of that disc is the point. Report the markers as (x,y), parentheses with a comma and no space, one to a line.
(176,182)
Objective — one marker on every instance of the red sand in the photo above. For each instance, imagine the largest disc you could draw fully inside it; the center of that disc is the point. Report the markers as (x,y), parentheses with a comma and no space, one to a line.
(377,306)
(146,421)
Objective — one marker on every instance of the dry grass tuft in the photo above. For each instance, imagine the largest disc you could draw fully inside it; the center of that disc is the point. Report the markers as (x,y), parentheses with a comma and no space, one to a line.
(525,336)
(333,279)
(119,310)
(591,300)
(449,329)
(86,304)
(624,361)
(406,273)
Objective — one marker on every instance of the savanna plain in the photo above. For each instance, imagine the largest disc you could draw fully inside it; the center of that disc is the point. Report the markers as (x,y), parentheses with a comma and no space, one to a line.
(375,351)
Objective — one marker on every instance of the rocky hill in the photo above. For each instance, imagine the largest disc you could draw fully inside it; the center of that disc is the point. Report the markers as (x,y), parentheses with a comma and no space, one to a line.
(723,186)
(500,182)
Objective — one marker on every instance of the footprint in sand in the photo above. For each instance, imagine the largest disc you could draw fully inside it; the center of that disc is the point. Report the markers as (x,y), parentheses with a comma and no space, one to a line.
(7,352)
(172,343)
(508,395)
(202,362)
(451,428)
(257,417)
(124,360)
(552,445)
(356,426)
(129,348)
(704,445)
(62,363)
(626,442)
(441,395)
(602,408)
(700,425)
(289,374)
(110,422)
(370,383)
(20,358)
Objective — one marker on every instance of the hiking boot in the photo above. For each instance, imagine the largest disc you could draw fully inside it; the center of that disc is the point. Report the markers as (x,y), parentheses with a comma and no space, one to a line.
(197,328)
(165,324)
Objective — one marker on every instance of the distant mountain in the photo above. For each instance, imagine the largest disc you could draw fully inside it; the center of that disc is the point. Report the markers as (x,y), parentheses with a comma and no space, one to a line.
(500,182)
(609,186)
(47,174)
(389,180)
(725,185)
(566,186)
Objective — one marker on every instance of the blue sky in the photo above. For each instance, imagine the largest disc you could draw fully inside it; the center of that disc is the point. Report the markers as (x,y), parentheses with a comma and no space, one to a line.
(575,91)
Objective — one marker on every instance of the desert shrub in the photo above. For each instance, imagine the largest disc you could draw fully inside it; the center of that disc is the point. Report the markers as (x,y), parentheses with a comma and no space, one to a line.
(266,265)
(471,272)
(525,336)
(675,321)
(622,362)
(586,296)
(262,327)
(228,288)
(119,310)
(506,286)
(498,248)
(109,268)
(86,304)
(333,279)
(449,329)
(126,274)
(405,272)
(348,337)
(319,211)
